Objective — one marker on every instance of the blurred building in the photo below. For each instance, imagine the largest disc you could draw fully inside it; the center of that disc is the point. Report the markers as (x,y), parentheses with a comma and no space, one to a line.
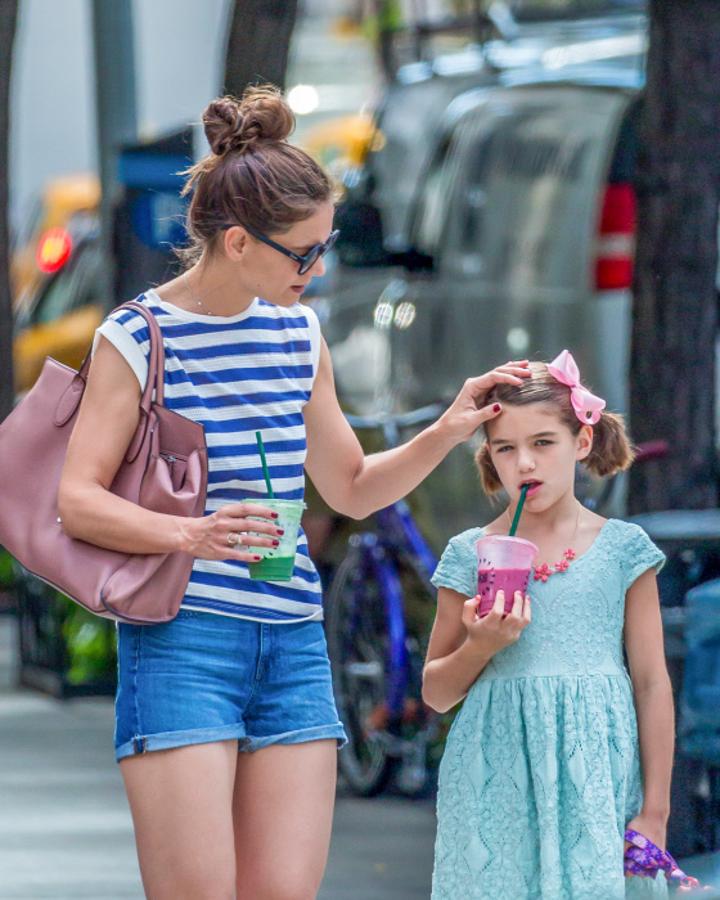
(179,47)
(179,57)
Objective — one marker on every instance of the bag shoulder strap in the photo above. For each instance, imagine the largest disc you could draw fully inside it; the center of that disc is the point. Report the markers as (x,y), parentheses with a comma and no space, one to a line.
(155,378)
(70,399)
(156,366)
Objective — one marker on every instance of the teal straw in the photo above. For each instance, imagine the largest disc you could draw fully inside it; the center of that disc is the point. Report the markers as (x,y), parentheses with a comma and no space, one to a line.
(521,502)
(266,472)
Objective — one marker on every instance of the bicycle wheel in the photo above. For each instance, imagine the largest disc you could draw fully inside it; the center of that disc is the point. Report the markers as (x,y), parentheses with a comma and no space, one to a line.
(357,640)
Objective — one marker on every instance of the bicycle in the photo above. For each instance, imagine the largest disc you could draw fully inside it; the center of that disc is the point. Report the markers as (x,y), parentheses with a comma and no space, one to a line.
(376,653)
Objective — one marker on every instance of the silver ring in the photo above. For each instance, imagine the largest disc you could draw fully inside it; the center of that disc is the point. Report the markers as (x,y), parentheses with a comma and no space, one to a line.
(233,538)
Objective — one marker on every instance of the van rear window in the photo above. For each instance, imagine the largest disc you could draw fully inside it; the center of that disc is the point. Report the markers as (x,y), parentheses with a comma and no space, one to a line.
(526,168)
(535,157)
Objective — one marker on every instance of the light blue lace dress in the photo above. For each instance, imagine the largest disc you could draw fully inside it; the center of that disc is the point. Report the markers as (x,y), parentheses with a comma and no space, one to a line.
(541,770)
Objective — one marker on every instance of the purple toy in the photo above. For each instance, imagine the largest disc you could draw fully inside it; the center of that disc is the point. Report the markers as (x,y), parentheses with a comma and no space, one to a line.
(646,859)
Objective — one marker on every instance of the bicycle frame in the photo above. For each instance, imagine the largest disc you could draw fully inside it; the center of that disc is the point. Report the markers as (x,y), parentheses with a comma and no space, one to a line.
(401,535)
(376,653)
(398,524)
(376,565)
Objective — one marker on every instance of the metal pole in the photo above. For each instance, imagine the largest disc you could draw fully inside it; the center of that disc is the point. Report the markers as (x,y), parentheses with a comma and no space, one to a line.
(116,112)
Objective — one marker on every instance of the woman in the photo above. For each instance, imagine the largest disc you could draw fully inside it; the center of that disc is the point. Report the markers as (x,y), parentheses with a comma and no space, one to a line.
(244,666)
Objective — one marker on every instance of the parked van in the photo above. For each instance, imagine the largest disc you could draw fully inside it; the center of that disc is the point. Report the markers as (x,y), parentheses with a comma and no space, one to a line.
(374,219)
(520,240)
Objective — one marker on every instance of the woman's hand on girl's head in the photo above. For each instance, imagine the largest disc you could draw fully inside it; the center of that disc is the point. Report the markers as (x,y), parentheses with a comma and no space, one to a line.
(462,419)
(230,533)
(496,630)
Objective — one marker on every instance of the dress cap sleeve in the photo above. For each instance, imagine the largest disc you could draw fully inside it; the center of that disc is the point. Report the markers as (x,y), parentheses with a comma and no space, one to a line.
(457,568)
(639,555)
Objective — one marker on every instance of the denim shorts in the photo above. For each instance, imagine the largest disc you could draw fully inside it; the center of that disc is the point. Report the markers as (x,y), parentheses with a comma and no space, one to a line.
(205,677)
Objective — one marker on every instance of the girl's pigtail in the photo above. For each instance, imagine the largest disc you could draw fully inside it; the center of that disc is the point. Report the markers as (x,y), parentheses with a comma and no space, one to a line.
(489,478)
(612,451)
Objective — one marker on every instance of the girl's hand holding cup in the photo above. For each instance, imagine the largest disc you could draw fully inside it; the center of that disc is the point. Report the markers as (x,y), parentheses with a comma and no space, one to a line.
(496,630)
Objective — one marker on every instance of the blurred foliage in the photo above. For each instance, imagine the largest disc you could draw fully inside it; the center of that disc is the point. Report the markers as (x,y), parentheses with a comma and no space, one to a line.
(61,638)
(387,15)
(7,570)
(8,600)
(90,646)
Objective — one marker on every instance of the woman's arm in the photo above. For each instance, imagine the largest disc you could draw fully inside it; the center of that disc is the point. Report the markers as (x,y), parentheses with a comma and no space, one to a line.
(105,425)
(653,702)
(462,644)
(356,485)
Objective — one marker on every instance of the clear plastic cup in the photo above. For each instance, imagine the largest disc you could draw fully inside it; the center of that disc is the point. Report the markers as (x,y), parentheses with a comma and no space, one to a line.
(504,564)
(277,563)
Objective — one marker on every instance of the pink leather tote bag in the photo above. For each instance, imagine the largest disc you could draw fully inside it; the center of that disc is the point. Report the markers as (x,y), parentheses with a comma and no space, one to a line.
(164,469)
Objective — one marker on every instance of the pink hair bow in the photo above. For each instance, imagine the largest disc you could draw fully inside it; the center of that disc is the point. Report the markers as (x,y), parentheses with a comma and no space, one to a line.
(588,408)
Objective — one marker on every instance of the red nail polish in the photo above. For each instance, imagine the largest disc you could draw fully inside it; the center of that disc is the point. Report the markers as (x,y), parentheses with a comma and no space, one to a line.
(257,558)
(497,407)
(276,543)
(281,531)
(275,515)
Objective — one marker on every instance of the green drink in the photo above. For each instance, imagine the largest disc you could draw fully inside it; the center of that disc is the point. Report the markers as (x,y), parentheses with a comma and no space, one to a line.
(277,563)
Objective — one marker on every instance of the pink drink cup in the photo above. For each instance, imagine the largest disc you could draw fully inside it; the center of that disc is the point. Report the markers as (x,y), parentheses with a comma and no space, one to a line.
(504,564)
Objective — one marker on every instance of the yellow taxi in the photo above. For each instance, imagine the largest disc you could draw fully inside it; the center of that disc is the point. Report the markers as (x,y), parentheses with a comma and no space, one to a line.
(56,277)
(62,198)
(341,144)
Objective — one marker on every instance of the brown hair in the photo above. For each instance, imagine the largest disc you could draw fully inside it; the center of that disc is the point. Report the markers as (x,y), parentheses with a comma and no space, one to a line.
(611,450)
(253,176)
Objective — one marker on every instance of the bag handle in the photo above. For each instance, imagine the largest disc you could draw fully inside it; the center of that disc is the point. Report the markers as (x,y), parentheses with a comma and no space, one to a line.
(156,366)
(155,378)
(71,397)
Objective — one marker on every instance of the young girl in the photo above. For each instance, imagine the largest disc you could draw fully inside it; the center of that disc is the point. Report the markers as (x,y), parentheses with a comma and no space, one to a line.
(546,764)
(244,665)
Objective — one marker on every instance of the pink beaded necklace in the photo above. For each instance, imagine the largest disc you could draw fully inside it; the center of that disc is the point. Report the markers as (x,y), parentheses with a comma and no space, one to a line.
(544,571)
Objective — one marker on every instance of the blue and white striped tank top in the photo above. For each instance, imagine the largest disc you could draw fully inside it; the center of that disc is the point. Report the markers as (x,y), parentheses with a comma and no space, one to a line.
(237,375)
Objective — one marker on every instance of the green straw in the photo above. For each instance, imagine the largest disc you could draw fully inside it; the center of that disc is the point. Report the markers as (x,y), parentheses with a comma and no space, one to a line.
(521,502)
(266,472)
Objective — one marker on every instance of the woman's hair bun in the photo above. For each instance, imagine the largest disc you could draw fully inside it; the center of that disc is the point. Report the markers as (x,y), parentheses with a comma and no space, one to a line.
(260,115)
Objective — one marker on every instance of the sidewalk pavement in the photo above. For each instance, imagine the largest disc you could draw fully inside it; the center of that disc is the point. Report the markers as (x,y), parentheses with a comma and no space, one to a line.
(66,832)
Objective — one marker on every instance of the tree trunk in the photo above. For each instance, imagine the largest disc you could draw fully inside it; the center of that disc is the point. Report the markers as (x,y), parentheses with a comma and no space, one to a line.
(258,43)
(675,292)
(8,19)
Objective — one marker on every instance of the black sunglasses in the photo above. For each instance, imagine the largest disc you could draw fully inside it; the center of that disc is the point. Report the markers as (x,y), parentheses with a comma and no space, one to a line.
(306,262)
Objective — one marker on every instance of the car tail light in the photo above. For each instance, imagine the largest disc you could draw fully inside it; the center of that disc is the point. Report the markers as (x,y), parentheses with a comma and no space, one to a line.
(53,250)
(615,245)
